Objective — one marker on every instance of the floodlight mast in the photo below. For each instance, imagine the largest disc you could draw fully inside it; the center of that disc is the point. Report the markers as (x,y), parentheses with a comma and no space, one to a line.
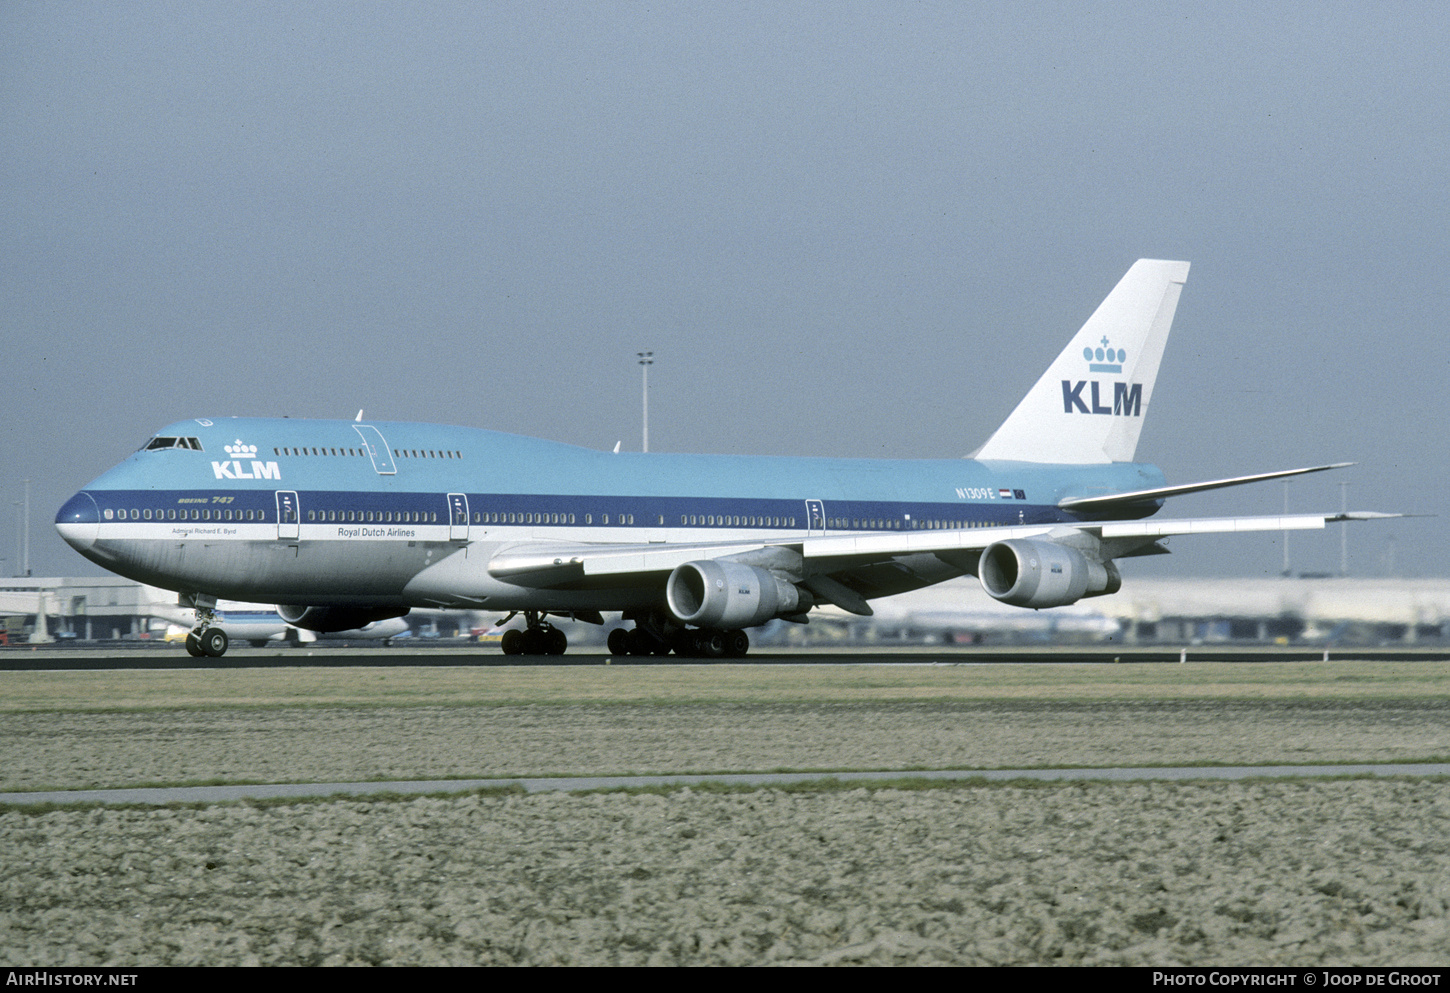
(646,359)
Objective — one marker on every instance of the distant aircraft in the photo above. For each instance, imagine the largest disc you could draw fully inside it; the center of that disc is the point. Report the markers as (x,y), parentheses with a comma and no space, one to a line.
(343,523)
(258,624)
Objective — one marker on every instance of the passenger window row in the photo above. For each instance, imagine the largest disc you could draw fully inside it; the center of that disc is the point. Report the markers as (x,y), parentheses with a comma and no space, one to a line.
(374,516)
(522,517)
(349,452)
(887,524)
(183,514)
(527,517)
(402,453)
(735,521)
(861,524)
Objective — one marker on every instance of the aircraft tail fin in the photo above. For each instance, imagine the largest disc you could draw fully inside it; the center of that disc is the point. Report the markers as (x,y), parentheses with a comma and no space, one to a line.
(1089,406)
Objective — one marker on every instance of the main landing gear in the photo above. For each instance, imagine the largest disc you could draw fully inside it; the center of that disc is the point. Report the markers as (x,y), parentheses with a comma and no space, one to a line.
(539,638)
(204,639)
(652,634)
(693,643)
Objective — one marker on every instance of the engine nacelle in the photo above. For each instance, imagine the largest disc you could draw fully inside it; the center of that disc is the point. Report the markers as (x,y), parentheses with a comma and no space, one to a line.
(1029,573)
(326,620)
(727,595)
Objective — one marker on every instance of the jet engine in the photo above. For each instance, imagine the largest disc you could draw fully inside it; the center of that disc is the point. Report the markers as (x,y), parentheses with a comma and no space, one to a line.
(328,619)
(1029,573)
(727,595)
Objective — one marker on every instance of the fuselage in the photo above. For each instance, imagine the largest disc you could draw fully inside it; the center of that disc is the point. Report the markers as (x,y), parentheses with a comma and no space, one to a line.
(408,514)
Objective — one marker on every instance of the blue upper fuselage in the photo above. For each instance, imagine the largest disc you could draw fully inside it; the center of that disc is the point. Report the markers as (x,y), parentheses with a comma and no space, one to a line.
(417,464)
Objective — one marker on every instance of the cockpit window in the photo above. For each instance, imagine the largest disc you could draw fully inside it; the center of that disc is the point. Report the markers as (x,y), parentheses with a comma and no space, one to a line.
(159,442)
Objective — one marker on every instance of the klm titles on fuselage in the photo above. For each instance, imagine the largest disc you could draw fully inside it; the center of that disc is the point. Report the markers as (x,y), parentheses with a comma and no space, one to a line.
(236,469)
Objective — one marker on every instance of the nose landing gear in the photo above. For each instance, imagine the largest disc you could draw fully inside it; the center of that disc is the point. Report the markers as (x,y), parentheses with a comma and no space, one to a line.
(205,640)
(211,643)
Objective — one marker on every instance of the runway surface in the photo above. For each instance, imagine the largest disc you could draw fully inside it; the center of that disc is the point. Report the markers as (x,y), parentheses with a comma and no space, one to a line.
(142,655)
(222,794)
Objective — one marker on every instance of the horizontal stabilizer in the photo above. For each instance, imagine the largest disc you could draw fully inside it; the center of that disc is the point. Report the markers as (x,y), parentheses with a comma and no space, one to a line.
(1109,501)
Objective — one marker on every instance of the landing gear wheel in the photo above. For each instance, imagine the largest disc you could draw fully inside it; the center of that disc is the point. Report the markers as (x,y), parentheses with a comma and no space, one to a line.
(640,642)
(737,644)
(702,643)
(619,641)
(536,639)
(539,637)
(205,639)
(213,642)
(712,644)
(683,643)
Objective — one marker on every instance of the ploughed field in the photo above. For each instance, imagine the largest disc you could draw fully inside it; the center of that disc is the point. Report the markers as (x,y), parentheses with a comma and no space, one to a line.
(1312,871)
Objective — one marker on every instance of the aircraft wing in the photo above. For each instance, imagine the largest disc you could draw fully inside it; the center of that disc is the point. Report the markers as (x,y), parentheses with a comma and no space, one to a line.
(841,566)
(548,564)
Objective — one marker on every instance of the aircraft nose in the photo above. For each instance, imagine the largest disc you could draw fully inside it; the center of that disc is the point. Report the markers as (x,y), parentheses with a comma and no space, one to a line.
(79,521)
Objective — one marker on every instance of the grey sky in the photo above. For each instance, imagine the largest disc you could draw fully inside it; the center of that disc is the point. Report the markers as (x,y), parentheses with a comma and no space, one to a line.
(844,229)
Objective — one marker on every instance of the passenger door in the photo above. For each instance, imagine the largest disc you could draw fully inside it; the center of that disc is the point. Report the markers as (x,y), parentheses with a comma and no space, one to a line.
(457,517)
(288,517)
(377,448)
(815,516)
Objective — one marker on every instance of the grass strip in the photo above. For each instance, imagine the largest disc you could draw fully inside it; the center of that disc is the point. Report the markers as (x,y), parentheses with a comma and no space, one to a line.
(432,686)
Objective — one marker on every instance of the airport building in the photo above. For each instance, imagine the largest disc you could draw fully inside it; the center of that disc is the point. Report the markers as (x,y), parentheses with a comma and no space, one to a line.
(92,608)
(1295,611)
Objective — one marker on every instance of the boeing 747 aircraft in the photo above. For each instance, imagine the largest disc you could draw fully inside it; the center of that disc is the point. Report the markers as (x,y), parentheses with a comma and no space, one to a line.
(346,522)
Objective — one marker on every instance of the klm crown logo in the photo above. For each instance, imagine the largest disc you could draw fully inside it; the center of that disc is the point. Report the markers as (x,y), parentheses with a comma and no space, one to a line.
(1127,397)
(234,468)
(1105,359)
